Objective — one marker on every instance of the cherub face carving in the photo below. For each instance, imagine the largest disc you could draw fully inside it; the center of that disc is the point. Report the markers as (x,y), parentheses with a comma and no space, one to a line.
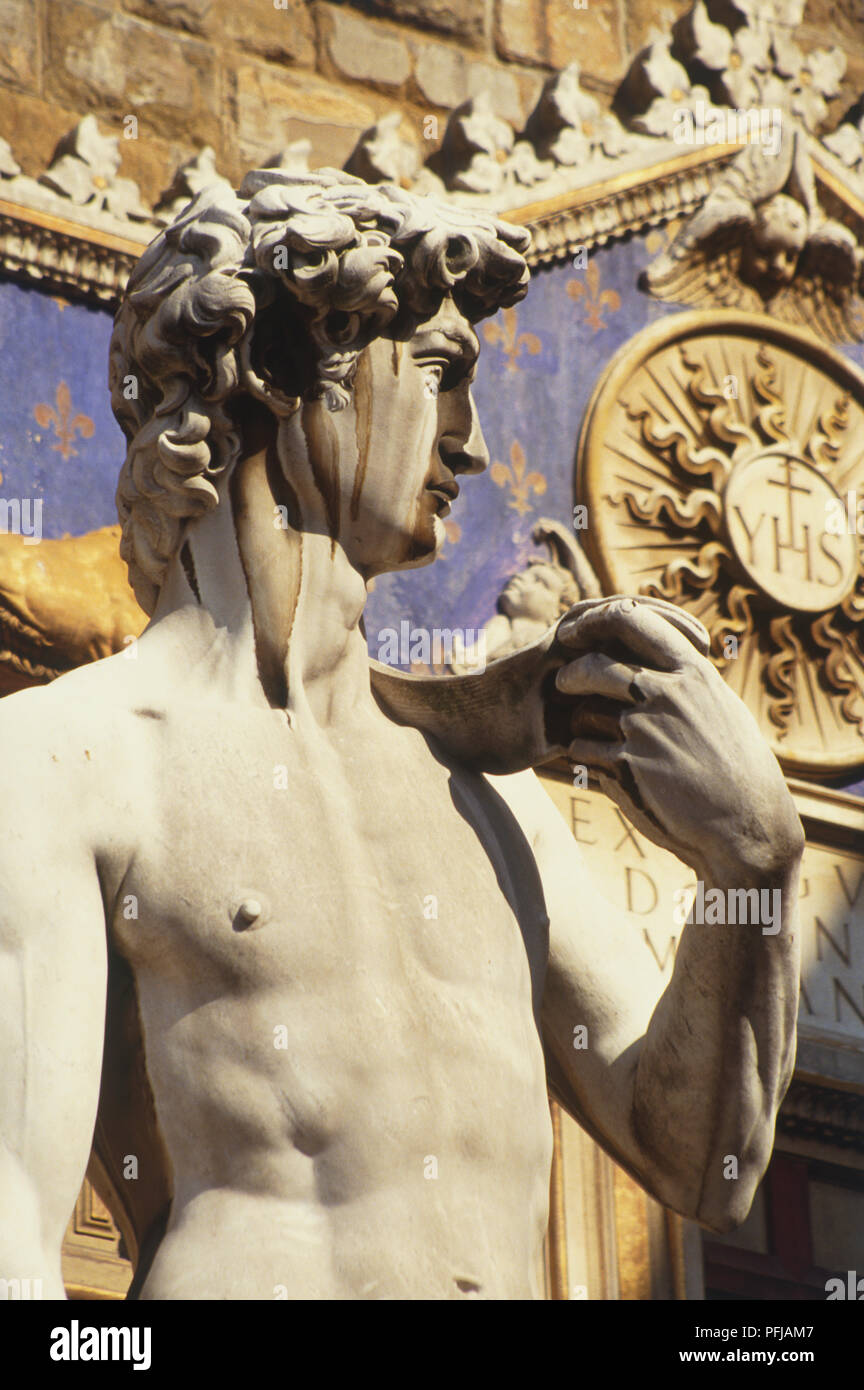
(778,237)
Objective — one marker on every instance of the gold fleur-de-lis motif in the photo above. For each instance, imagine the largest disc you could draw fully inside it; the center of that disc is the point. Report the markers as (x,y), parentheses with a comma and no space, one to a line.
(596,301)
(520,482)
(452,535)
(504,334)
(64,422)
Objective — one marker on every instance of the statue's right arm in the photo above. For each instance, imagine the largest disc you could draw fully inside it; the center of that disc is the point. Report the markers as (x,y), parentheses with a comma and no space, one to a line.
(53,971)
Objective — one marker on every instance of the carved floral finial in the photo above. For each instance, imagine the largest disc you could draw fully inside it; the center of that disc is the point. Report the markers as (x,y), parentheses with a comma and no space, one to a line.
(475,147)
(383,155)
(847,141)
(655,88)
(9,168)
(190,178)
(480,152)
(84,170)
(293,158)
(569,126)
(731,53)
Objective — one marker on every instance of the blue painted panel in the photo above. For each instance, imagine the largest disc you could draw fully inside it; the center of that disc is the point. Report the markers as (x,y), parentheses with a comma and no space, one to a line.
(59,441)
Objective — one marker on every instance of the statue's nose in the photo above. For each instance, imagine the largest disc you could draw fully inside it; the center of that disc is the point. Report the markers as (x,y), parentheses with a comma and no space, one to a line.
(470,454)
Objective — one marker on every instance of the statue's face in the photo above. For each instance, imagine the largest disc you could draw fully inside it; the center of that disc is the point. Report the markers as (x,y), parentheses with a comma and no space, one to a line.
(386,467)
(534,593)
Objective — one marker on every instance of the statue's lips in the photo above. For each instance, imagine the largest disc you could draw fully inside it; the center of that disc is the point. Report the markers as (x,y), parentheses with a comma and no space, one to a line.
(446,490)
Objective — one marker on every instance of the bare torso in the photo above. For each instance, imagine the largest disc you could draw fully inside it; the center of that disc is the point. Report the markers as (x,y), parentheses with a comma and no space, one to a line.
(348,1078)
(351,1089)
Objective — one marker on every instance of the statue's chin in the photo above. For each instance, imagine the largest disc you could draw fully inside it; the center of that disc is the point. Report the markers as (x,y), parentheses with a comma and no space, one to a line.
(426,548)
(431,551)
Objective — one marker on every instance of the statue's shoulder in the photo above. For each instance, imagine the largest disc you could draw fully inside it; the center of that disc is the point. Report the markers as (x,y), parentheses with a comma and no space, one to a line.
(47,730)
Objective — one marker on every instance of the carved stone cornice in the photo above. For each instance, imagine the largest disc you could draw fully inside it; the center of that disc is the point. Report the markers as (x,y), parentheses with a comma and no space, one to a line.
(623,203)
(576,173)
(61,253)
(830,1116)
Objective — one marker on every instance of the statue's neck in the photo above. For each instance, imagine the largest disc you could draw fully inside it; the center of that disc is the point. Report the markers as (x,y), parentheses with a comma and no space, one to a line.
(265,611)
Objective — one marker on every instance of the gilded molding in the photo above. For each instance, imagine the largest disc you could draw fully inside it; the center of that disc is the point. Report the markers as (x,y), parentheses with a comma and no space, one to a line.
(613,207)
(38,246)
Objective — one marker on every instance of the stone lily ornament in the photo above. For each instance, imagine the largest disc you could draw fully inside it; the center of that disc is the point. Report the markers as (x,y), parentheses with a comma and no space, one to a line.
(313,946)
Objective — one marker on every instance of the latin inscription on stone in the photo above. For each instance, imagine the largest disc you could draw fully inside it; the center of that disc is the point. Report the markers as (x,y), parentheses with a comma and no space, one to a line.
(636,875)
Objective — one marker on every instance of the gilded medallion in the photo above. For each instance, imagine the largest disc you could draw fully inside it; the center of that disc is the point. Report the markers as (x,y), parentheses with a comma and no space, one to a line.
(721,460)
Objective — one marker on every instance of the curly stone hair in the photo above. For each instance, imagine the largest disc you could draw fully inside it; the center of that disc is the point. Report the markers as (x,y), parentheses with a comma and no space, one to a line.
(318,265)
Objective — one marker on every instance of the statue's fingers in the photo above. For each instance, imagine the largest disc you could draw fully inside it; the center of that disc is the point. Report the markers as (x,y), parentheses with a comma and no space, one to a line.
(685,622)
(636,626)
(595,753)
(595,673)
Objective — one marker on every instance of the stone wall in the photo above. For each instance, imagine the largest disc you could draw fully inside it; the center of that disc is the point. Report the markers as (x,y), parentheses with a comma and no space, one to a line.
(249,76)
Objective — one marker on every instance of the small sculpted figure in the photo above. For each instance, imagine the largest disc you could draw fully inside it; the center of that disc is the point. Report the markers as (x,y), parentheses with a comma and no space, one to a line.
(535,598)
(306,940)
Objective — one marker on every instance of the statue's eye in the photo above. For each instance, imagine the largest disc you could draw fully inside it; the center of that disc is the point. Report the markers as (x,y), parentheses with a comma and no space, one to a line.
(433,373)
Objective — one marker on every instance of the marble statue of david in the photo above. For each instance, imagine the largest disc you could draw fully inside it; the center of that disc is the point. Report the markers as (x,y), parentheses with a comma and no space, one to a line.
(237,830)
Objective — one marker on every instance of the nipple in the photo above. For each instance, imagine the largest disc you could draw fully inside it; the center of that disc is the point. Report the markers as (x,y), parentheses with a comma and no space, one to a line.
(248,911)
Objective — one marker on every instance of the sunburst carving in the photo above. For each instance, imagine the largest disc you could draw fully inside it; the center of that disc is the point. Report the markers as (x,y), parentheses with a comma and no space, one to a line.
(716,460)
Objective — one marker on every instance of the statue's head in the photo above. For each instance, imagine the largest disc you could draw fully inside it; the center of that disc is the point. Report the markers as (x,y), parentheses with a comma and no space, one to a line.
(778,236)
(327,321)
(543,591)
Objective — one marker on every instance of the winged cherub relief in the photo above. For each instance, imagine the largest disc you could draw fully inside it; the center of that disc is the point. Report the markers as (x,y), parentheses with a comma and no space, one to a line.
(761,242)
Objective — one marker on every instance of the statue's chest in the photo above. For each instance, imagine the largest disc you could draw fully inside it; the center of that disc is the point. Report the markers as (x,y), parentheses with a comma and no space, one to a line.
(292,863)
